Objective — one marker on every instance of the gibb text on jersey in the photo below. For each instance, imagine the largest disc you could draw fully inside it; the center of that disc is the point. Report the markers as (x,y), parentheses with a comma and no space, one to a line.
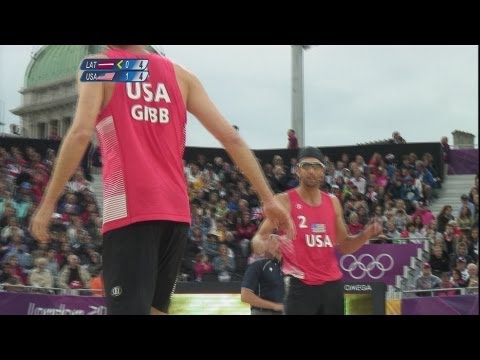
(151,94)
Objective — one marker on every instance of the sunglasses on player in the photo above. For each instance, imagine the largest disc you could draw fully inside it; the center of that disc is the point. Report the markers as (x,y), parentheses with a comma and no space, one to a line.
(311,165)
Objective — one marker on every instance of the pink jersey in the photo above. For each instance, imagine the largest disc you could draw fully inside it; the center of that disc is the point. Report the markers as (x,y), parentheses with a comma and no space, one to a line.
(312,258)
(142,139)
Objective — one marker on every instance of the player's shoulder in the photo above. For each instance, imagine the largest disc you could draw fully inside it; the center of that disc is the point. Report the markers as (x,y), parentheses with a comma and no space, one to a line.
(180,68)
(331,196)
(184,74)
(335,201)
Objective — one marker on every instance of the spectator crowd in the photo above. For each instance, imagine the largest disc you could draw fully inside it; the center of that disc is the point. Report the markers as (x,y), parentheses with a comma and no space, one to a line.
(226,214)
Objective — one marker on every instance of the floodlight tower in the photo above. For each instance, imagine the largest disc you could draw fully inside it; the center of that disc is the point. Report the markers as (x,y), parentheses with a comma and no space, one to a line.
(298,111)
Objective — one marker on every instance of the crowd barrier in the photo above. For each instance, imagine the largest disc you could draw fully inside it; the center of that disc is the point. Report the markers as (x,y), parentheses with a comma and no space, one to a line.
(361,298)
(441,305)
(18,303)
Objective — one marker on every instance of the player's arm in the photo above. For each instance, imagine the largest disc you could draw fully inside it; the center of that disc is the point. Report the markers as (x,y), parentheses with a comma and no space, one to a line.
(350,243)
(263,233)
(265,230)
(199,104)
(267,227)
(75,142)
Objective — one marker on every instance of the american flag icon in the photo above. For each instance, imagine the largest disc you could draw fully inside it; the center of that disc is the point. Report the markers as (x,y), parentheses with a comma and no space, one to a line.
(318,228)
(107,76)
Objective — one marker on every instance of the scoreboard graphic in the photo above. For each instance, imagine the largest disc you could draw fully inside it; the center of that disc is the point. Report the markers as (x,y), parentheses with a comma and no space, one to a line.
(114,70)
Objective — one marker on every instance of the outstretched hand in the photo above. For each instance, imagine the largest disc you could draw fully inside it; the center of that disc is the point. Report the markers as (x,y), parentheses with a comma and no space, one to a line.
(40,222)
(279,216)
(280,243)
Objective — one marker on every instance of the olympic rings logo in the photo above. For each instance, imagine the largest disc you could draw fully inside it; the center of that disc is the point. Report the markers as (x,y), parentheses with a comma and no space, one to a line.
(366,264)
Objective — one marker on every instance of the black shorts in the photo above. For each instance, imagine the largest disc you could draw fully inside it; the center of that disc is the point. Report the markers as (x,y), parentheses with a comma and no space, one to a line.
(303,299)
(140,266)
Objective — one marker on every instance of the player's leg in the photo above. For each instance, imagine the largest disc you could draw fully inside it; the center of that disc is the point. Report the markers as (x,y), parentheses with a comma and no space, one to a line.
(129,263)
(298,298)
(173,240)
(332,298)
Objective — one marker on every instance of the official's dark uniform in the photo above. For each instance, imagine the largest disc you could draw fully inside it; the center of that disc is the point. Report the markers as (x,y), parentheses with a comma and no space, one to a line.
(265,279)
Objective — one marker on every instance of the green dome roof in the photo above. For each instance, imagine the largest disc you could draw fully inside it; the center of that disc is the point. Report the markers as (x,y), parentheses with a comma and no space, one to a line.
(58,62)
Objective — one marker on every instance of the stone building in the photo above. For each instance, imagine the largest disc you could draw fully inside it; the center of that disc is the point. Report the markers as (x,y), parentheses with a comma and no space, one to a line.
(463,140)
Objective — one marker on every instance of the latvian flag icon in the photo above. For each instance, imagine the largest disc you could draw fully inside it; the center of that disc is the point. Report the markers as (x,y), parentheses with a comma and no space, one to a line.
(105,65)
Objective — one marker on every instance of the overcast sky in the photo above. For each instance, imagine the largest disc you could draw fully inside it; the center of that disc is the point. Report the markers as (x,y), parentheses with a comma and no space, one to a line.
(353,94)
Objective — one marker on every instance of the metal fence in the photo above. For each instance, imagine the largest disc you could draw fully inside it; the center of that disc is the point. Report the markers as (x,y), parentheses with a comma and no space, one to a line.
(437,291)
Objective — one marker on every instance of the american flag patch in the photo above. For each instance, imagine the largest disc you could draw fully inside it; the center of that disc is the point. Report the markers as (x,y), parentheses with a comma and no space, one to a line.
(317,228)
